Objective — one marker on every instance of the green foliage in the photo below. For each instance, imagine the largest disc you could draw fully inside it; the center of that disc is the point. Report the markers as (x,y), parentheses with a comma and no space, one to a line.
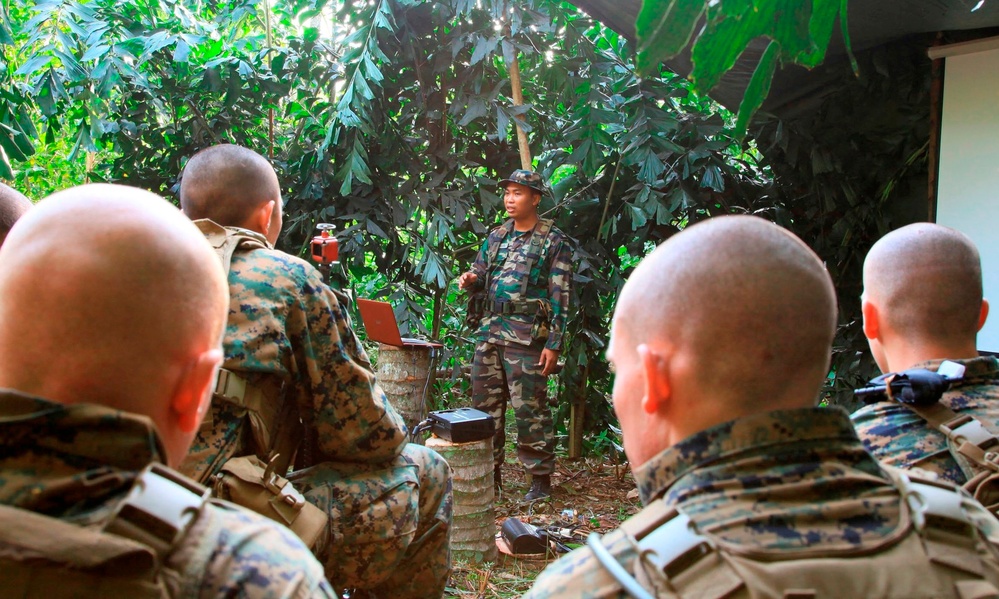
(391,120)
(799,32)
(849,172)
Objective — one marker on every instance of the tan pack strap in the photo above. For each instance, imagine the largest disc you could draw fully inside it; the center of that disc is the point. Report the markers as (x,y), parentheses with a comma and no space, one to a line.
(282,442)
(37,535)
(966,435)
(159,509)
(234,388)
(227,240)
(287,438)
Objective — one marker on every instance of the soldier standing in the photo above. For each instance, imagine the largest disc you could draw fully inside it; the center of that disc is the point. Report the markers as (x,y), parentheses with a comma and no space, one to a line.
(113,306)
(720,342)
(521,280)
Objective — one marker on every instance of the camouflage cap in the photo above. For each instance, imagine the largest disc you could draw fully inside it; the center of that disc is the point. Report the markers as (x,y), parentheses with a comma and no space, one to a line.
(527,178)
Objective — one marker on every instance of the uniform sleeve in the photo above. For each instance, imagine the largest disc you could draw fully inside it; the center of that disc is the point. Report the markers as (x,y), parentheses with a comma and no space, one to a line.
(255,557)
(559,291)
(338,396)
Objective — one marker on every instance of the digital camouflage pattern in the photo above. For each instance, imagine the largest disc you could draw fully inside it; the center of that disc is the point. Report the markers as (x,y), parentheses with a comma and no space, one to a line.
(899,437)
(287,327)
(511,372)
(549,280)
(504,366)
(779,482)
(76,463)
(391,522)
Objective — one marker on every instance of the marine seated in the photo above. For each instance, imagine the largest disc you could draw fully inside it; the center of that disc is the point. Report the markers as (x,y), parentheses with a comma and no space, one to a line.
(922,306)
(113,307)
(720,342)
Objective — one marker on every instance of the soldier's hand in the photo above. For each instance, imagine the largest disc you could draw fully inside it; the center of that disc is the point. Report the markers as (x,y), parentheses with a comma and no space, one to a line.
(548,362)
(467,279)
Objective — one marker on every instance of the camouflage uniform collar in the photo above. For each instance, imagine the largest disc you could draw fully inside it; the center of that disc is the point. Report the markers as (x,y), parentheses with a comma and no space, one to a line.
(207,225)
(726,441)
(982,367)
(53,454)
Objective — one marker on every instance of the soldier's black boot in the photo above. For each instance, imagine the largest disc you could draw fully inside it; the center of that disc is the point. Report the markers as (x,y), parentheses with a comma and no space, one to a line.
(541,487)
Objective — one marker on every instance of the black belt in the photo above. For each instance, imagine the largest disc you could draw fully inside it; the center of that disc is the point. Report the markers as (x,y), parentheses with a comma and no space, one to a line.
(512,306)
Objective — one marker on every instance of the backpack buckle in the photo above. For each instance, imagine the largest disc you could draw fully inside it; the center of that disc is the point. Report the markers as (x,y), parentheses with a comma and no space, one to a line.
(964,429)
(158,510)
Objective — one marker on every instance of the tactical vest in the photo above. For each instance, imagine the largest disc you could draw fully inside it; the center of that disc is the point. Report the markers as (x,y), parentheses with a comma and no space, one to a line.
(273,431)
(939,538)
(277,431)
(481,303)
(972,443)
(140,551)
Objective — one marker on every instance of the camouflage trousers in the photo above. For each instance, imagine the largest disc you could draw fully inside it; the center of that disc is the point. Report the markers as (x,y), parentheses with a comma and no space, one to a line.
(502,373)
(389,522)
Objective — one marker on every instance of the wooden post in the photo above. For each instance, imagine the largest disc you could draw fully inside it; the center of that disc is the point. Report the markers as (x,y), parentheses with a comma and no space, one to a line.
(518,100)
(936,109)
(577,416)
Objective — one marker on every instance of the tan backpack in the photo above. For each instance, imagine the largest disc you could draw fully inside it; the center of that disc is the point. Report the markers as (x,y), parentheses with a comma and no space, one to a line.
(939,540)
(139,552)
(248,481)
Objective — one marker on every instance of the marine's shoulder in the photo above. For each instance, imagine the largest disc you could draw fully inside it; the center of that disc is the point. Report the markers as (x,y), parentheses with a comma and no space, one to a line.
(580,575)
(266,261)
(251,551)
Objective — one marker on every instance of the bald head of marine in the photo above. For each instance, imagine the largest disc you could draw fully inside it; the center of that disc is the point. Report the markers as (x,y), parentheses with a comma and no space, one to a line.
(13,205)
(110,296)
(234,187)
(922,296)
(731,317)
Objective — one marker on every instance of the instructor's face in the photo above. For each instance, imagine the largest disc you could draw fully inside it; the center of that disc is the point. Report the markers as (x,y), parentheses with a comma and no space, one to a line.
(520,200)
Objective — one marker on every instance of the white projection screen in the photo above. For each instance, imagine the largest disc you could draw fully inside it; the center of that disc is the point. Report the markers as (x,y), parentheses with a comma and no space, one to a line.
(968,169)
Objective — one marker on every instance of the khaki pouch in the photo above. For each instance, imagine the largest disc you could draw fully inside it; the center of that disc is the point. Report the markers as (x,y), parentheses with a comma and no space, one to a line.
(250,483)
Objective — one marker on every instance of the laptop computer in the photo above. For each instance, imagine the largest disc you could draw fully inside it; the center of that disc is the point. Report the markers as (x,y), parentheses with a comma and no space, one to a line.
(381,326)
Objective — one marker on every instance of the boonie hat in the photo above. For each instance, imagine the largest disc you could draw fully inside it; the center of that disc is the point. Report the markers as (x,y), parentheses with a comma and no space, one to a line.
(525,177)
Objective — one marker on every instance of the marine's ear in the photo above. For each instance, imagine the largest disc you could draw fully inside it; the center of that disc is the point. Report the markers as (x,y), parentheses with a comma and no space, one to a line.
(984,314)
(658,388)
(194,390)
(872,319)
(260,219)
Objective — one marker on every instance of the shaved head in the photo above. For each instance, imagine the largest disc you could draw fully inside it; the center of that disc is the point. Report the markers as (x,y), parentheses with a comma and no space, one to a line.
(227,183)
(109,295)
(926,283)
(13,205)
(739,314)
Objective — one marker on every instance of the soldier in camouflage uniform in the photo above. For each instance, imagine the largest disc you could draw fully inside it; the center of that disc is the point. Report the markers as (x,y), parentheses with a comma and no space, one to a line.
(113,308)
(290,344)
(923,304)
(12,205)
(720,343)
(521,277)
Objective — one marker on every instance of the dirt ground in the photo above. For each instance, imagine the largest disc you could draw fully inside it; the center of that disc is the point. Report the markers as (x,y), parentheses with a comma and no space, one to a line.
(591,494)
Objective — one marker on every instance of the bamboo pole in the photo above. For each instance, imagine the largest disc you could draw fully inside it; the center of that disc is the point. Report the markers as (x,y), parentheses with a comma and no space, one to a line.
(518,100)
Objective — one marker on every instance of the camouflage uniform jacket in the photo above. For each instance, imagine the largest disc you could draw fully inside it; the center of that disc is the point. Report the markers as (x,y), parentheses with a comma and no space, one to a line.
(780,481)
(899,437)
(549,280)
(287,327)
(76,463)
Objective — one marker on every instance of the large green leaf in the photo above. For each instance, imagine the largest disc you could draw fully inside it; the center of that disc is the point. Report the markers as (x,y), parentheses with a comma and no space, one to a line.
(799,32)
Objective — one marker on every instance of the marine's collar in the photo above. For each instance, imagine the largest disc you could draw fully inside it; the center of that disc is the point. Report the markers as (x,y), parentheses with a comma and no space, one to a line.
(726,440)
